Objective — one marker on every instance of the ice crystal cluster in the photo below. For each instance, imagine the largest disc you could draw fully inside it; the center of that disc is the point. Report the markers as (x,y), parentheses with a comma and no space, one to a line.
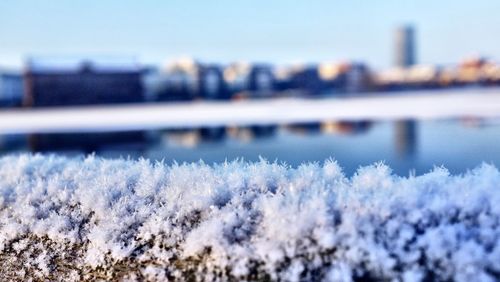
(97,219)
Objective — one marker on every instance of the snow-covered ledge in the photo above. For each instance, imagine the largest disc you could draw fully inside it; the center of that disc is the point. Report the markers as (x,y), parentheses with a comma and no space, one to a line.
(92,218)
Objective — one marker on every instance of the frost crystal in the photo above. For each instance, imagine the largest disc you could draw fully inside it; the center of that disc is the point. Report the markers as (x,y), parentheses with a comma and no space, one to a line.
(92,218)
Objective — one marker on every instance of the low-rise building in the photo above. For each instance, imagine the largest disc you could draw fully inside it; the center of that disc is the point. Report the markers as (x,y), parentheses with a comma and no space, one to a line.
(210,82)
(410,78)
(11,88)
(470,71)
(261,78)
(304,78)
(187,79)
(63,82)
(246,80)
(357,78)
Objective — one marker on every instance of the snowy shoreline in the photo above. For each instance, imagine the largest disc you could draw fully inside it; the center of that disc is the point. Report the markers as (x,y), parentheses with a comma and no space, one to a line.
(92,218)
(417,105)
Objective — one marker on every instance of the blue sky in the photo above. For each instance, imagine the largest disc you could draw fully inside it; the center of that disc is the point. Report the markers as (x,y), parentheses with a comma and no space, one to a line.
(278,31)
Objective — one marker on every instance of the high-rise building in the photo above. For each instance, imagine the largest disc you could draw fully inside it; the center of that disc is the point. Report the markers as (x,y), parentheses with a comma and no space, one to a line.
(405,46)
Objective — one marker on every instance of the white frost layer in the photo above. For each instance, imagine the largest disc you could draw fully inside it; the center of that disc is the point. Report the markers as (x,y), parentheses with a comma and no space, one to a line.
(239,218)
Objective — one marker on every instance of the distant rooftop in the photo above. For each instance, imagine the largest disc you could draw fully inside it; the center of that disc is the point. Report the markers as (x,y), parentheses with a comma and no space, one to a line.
(77,64)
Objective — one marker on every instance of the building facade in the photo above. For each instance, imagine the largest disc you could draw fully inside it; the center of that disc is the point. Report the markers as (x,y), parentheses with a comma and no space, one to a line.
(81,83)
(405,54)
(261,78)
(210,82)
(11,89)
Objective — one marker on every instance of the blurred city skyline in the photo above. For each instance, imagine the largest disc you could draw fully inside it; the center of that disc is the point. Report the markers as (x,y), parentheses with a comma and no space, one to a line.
(225,31)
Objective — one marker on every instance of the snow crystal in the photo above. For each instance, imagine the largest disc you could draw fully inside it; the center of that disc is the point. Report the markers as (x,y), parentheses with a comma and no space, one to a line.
(91,218)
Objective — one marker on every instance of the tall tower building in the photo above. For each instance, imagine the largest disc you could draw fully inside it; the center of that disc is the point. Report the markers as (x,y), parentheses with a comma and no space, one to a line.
(405,46)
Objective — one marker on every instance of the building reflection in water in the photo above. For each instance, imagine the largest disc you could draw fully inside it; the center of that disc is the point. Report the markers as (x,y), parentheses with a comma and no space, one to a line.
(330,127)
(12,142)
(305,128)
(252,132)
(142,141)
(405,138)
(213,134)
(346,127)
(88,142)
(188,138)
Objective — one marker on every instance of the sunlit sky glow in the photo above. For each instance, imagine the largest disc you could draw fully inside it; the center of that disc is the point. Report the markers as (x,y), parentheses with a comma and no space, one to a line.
(279,31)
